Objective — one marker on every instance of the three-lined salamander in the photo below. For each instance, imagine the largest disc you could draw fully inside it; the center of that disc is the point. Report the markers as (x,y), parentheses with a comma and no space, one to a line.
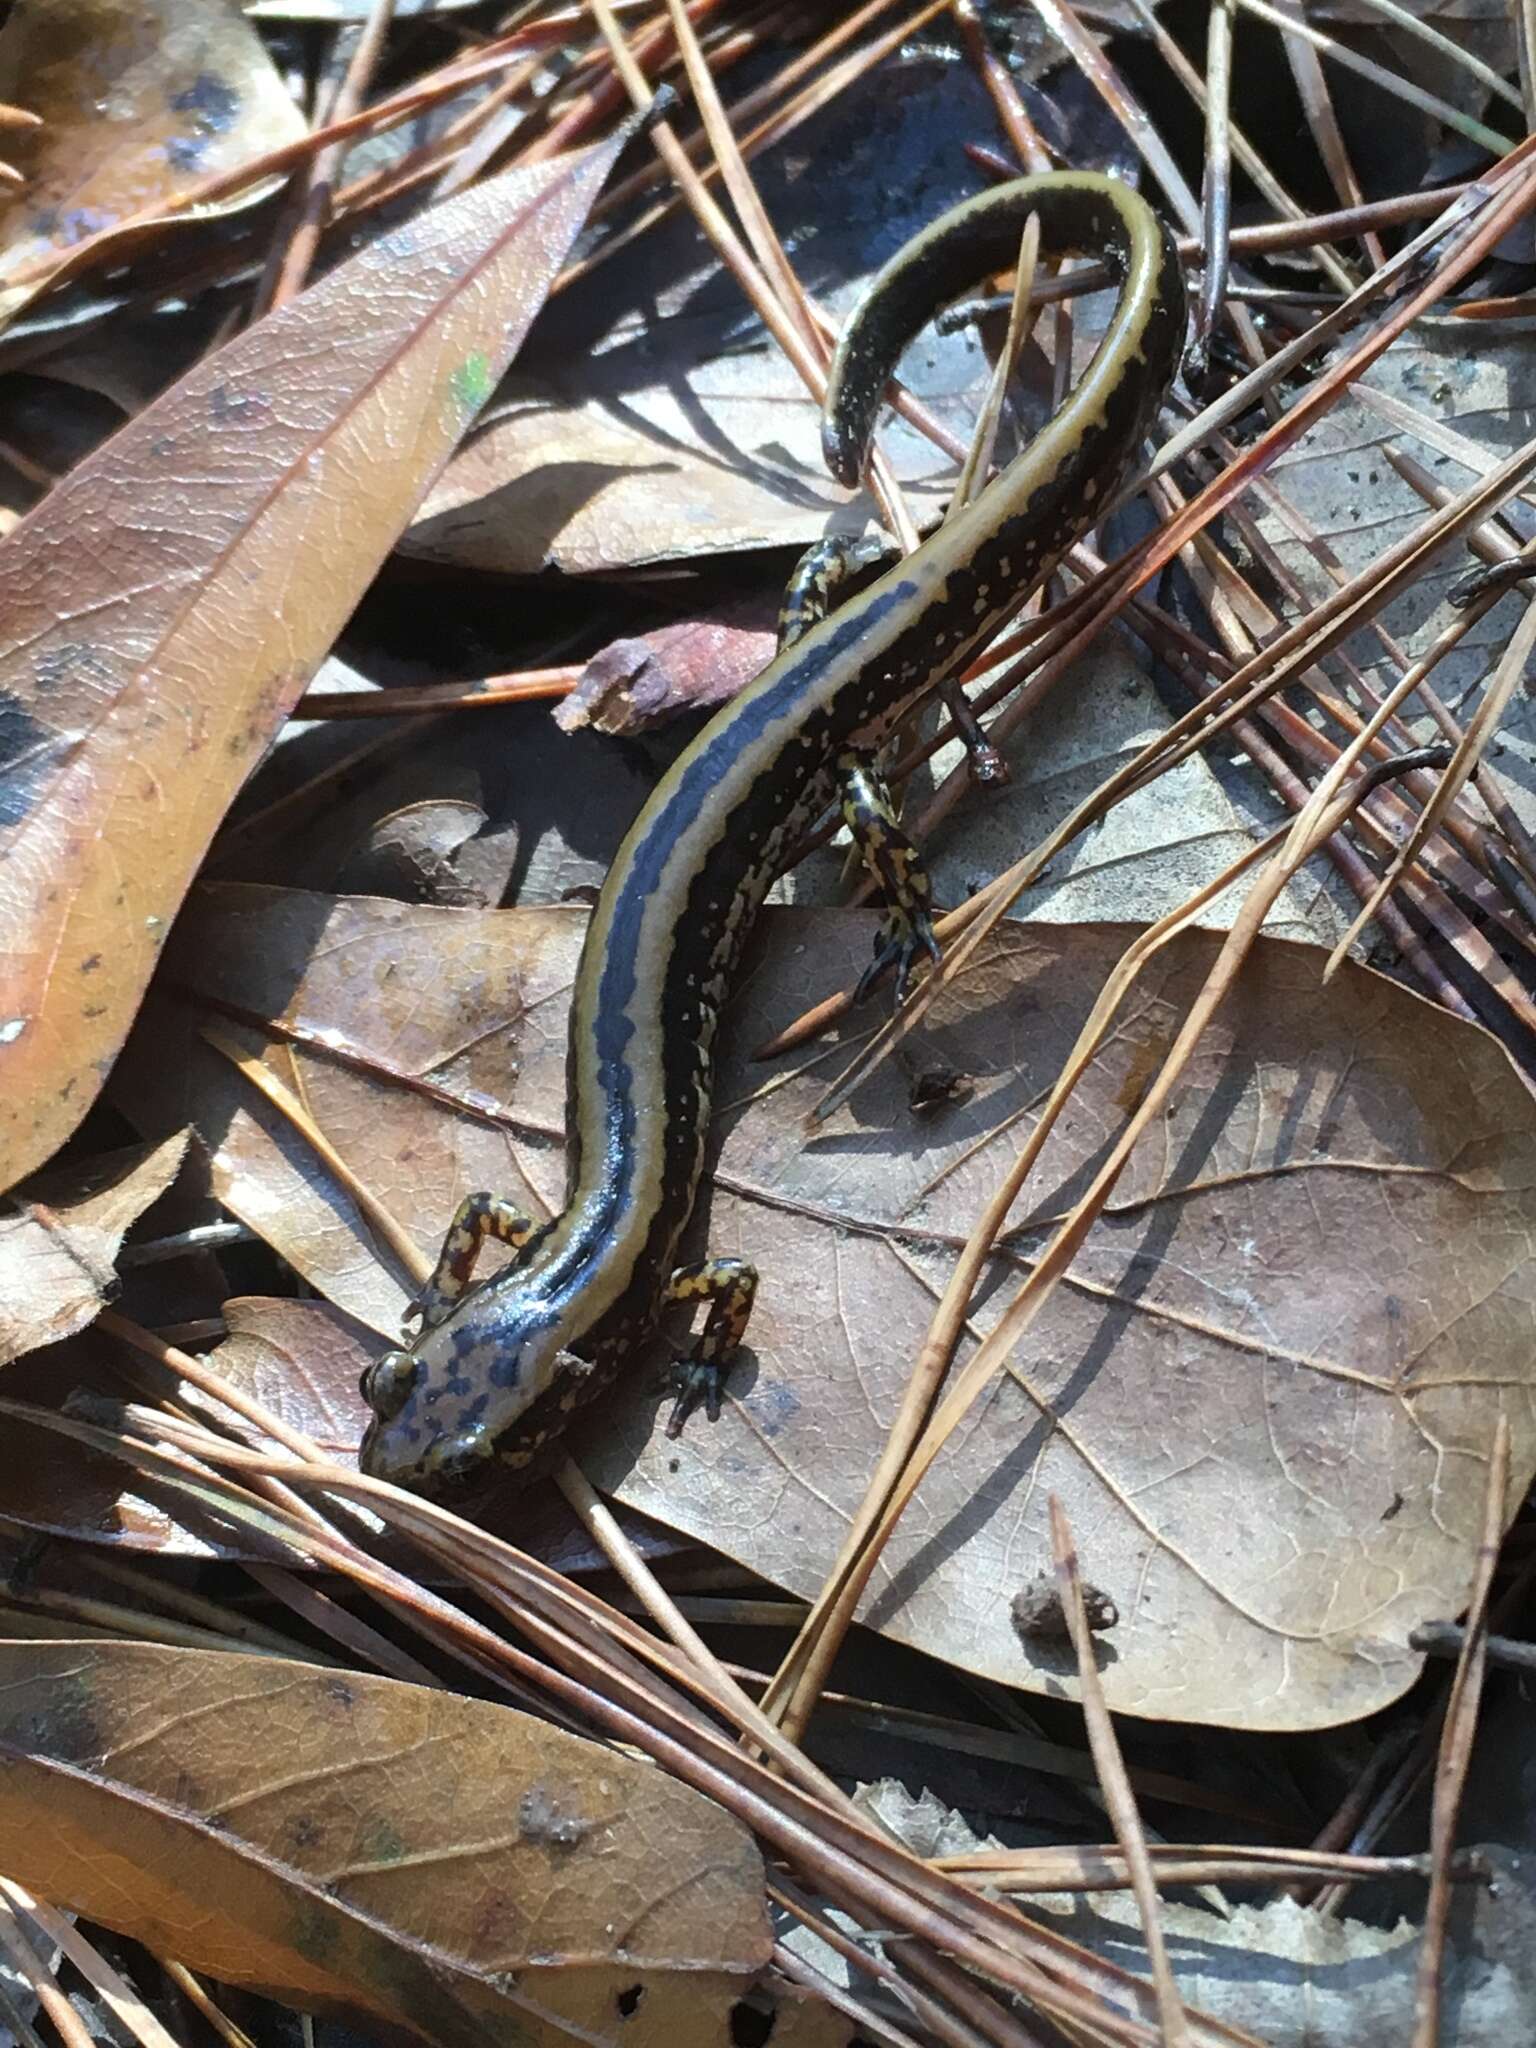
(498,1367)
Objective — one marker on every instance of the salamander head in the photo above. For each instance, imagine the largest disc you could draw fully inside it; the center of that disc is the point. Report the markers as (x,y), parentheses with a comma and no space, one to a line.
(456,1407)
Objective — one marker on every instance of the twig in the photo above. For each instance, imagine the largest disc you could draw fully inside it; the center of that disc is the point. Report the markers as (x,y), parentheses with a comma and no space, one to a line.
(532,685)
(1456,1745)
(1104,1868)
(1525,50)
(1449,1639)
(1216,193)
(379,1218)
(295,246)
(977,467)
(1012,114)
(1119,1800)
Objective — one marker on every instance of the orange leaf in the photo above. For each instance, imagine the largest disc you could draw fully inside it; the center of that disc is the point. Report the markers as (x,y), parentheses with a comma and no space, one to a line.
(168,602)
(353,1844)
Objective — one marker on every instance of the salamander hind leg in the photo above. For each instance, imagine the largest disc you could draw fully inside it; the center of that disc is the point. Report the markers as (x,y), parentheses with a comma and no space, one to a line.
(476,1218)
(896,865)
(728,1285)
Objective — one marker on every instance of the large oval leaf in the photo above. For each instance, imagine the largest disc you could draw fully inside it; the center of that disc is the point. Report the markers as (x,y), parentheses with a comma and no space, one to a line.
(353,1844)
(165,605)
(1265,1395)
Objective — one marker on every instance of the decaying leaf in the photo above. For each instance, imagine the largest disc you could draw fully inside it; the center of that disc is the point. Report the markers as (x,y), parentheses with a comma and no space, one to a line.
(588,483)
(1470,407)
(1265,1397)
(1295,1976)
(138,99)
(61,1235)
(166,604)
(357,1845)
(691,665)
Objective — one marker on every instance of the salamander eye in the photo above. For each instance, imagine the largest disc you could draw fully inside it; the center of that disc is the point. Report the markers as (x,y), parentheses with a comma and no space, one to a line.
(461,1455)
(387,1382)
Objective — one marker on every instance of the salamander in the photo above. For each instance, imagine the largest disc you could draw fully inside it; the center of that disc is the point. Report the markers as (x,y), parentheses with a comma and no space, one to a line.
(498,1368)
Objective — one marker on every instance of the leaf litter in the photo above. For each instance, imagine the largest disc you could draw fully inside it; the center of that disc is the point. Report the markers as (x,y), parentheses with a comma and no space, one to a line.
(1260,1372)
(1257,1576)
(133,104)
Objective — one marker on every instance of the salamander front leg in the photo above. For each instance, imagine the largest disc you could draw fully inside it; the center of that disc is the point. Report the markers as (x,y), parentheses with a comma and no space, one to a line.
(826,574)
(476,1218)
(728,1285)
(896,865)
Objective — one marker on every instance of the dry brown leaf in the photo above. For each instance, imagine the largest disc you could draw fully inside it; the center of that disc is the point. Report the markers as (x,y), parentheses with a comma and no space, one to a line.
(301,1360)
(689,665)
(139,99)
(267,953)
(1264,1399)
(166,604)
(61,1235)
(353,1844)
(718,458)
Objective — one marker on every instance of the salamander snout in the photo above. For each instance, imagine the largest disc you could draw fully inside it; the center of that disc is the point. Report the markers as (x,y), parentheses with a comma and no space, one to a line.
(456,1405)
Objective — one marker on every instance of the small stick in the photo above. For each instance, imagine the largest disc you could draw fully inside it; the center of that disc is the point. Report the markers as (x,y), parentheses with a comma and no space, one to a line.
(1449,1638)
(309,210)
(534,683)
(1456,1745)
(1216,193)
(1119,1800)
